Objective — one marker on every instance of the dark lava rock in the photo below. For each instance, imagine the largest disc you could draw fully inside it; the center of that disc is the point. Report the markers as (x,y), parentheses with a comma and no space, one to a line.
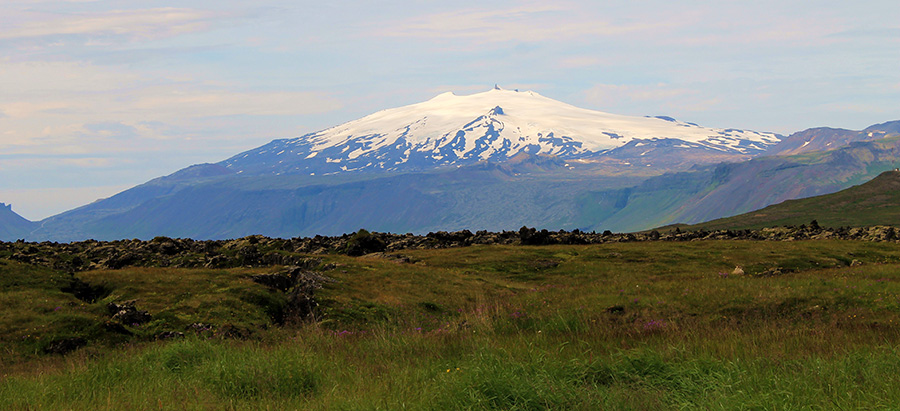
(64,345)
(364,242)
(84,291)
(616,309)
(116,328)
(126,313)
(258,251)
(233,332)
(217,261)
(279,282)
(168,335)
(199,327)
(302,304)
(530,236)
(771,272)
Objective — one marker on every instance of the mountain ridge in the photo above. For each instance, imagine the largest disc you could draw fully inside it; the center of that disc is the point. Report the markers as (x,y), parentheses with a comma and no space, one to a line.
(534,191)
(875,202)
(715,191)
(639,183)
(451,130)
(828,138)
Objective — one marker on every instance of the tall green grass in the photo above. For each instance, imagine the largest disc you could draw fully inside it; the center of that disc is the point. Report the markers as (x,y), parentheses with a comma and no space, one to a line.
(623,326)
(191,374)
(493,372)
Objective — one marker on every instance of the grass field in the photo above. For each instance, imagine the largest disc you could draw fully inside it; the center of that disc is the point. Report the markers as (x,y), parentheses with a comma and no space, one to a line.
(651,325)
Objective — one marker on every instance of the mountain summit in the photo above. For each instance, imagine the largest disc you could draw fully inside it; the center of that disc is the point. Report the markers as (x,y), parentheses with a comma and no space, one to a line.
(452,130)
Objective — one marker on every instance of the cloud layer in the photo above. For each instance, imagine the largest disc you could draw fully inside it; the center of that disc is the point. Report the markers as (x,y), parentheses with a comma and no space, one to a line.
(103,94)
(144,23)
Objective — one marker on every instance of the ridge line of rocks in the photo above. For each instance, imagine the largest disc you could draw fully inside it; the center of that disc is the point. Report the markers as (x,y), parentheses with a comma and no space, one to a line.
(257,250)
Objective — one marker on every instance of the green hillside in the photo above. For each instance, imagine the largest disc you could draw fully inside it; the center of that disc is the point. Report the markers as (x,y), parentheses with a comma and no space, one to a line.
(876,202)
(627,325)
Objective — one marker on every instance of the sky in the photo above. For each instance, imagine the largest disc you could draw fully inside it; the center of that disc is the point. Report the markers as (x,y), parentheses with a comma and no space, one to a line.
(97,96)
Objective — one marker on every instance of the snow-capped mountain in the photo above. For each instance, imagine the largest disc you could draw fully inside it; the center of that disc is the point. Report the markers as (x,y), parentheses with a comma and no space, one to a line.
(452,130)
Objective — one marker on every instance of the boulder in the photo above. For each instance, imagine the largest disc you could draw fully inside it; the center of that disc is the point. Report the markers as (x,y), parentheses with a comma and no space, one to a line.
(126,313)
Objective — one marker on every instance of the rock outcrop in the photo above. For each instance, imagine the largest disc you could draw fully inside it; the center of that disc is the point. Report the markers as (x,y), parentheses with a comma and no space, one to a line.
(259,251)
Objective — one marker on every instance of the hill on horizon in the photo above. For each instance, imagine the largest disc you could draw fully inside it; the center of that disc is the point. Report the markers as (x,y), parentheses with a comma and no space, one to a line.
(876,202)
(12,225)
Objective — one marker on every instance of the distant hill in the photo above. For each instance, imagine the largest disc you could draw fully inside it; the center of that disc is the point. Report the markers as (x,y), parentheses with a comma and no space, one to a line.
(711,192)
(206,202)
(826,138)
(12,225)
(876,202)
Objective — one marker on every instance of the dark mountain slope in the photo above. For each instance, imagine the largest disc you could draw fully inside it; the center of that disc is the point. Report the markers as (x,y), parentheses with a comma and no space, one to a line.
(876,202)
(531,190)
(825,138)
(890,127)
(70,225)
(537,191)
(765,181)
(621,190)
(12,225)
(728,189)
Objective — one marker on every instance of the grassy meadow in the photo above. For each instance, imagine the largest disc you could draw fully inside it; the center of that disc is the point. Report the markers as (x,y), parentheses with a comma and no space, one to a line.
(648,325)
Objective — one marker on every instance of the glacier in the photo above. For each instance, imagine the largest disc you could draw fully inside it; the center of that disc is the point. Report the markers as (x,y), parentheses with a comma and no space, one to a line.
(454,130)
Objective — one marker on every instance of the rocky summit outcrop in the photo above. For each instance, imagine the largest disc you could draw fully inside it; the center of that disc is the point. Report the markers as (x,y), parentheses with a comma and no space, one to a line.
(259,251)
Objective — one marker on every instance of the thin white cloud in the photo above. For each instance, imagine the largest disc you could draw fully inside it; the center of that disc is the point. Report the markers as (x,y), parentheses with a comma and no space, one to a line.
(581,61)
(145,23)
(661,97)
(171,101)
(529,23)
(102,122)
(38,79)
(891,34)
(76,107)
(31,2)
(656,24)
(611,93)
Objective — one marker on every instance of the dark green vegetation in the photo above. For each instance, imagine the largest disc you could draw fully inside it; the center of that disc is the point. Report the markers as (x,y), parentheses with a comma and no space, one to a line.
(635,325)
(875,202)
(47,312)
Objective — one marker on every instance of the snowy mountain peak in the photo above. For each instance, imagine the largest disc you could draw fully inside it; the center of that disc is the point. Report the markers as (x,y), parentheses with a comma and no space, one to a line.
(495,125)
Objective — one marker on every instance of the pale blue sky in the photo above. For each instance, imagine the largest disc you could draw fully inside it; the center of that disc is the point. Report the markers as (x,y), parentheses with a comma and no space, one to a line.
(98,96)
